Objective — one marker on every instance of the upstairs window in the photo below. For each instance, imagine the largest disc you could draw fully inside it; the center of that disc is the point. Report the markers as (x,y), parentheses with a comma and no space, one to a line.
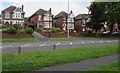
(7,15)
(39,17)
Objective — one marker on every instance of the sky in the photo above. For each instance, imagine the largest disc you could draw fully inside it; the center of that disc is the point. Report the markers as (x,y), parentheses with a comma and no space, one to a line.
(30,7)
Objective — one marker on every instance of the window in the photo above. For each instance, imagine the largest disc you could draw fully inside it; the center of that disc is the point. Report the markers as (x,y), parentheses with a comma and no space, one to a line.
(46,25)
(7,15)
(47,18)
(17,15)
(39,17)
(70,26)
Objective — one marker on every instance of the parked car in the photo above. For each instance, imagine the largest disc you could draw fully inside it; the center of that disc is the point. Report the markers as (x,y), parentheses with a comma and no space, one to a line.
(116,33)
(106,32)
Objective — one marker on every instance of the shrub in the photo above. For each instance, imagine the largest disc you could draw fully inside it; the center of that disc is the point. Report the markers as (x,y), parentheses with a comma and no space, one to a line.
(65,31)
(2,26)
(29,30)
(38,29)
(4,31)
(58,30)
(53,30)
(21,31)
(47,31)
(17,26)
(11,30)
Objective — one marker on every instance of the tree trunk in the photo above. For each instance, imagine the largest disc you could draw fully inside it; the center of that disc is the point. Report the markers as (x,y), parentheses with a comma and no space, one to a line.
(111,28)
(96,32)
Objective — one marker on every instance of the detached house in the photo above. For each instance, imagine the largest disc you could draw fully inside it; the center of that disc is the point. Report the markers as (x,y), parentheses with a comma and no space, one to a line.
(42,19)
(13,15)
(64,21)
(80,21)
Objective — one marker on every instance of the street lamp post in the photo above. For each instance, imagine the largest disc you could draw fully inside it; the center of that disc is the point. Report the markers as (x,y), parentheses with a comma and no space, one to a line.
(68,19)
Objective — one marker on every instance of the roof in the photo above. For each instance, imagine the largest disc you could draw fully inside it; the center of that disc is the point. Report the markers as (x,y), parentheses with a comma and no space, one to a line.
(41,12)
(61,14)
(81,16)
(10,9)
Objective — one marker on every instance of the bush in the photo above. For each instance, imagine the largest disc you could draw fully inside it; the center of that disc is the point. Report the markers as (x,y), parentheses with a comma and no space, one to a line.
(17,26)
(58,30)
(47,31)
(4,31)
(53,30)
(65,31)
(11,30)
(38,29)
(29,30)
(2,26)
(21,31)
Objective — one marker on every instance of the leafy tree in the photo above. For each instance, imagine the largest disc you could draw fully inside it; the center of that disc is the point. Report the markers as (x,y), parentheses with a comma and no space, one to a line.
(98,17)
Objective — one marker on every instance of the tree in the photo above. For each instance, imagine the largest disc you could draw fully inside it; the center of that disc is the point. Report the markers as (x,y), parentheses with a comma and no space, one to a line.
(113,13)
(98,17)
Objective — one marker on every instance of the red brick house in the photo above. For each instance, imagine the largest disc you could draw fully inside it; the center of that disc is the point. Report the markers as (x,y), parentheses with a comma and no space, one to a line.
(80,21)
(61,20)
(42,19)
(13,15)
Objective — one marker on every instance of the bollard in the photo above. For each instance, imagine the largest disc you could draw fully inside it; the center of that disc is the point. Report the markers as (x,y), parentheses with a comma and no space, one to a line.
(19,50)
(54,47)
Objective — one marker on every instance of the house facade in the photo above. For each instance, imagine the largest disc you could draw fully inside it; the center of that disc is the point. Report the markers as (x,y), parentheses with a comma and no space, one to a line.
(80,23)
(42,19)
(13,15)
(63,21)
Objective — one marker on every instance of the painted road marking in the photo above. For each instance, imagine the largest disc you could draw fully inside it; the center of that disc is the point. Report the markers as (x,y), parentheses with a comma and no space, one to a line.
(101,41)
(26,45)
(71,43)
(83,42)
(108,41)
(58,44)
(43,44)
(92,42)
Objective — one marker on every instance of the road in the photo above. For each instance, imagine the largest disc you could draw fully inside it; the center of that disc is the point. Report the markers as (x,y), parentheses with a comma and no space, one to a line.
(48,45)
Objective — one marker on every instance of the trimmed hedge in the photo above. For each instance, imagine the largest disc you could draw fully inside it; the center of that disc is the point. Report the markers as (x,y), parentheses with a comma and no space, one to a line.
(29,30)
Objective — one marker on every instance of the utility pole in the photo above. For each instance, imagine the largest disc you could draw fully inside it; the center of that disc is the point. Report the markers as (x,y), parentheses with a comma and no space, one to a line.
(68,19)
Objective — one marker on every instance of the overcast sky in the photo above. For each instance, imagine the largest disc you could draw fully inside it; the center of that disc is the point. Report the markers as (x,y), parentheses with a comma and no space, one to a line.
(77,6)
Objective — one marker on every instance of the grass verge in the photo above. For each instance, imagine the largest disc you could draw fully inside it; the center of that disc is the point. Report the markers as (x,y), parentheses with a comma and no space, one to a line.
(98,38)
(109,67)
(19,40)
(62,39)
(37,60)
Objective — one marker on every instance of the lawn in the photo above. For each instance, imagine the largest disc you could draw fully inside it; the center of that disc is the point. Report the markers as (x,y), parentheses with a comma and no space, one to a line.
(37,60)
(109,67)
(62,39)
(97,38)
(19,40)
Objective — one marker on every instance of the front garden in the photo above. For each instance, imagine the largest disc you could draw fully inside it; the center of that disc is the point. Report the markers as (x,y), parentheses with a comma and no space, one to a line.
(16,34)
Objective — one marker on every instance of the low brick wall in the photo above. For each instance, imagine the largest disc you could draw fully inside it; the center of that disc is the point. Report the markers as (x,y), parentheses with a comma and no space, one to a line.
(53,35)
(81,35)
(21,35)
(93,35)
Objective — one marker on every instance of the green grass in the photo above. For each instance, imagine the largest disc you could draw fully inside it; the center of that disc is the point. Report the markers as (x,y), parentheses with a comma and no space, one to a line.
(37,60)
(95,38)
(109,67)
(19,40)
(62,39)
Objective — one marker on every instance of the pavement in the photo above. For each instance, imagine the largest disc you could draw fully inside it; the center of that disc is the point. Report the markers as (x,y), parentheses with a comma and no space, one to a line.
(40,37)
(83,65)
(79,66)
(48,45)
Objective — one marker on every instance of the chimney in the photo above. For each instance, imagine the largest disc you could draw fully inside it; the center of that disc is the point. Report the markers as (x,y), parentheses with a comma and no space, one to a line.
(50,10)
(22,7)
